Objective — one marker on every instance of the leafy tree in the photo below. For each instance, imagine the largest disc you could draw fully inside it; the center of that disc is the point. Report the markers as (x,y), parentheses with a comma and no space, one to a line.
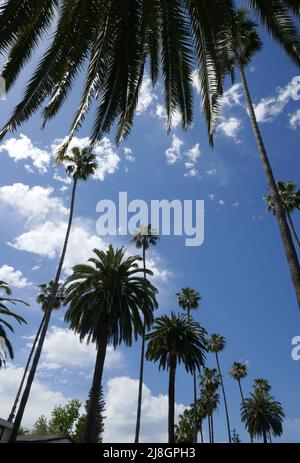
(184,430)
(41,426)
(176,340)
(262,415)
(216,343)
(5,344)
(81,165)
(290,197)
(189,300)
(143,239)
(63,418)
(107,300)
(23,431)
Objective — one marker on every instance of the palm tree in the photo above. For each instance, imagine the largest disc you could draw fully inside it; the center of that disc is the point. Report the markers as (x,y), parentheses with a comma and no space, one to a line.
(290,197)
(184,430)
(261,385)
(81,165)
(244,42)
(107,300)
(210,383)
(262,415)
(216,344)
(176,340)
(43,299)
(5,344)
(188,300)
(112,40)
(238,372)
(143,239)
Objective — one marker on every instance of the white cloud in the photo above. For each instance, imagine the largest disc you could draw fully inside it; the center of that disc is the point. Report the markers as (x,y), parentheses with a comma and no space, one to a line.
(211,172)
(294,119)
(32,202)
(230,127)
(221,202)
(161,113)
(195,81)
(233,96)
(47,239)
(173,153)
(269,108)
(120,412)
(42,398)
(192,155)
(22,148)
(146,96)
(13,277)
(62,348)
(129,155)
(160,274)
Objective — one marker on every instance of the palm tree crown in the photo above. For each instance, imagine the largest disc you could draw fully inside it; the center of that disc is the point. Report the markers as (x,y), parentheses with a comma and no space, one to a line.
(238,371)
(262,415)
(110,42)
(109,292)
(216,343)
(145,237)
(45,294)
(178,337)
(81,163)
(262,385)
(188,299)
(290,197)
(5,344)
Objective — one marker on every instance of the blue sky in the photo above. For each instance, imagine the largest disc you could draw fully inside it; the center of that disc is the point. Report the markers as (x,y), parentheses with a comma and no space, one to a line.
(240,270)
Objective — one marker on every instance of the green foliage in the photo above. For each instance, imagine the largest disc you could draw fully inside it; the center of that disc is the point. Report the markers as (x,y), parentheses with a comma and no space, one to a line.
(110,293)
(176,337)
(238,371)
(41,427)
(290,197)
(23,431)
(188,299)
(81,423)
(63,418)
(235,438)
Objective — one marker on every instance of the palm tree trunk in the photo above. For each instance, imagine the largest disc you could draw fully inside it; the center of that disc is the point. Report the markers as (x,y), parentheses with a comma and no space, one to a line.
(265,437)
(94,397)
(171,420)
(209,428)
(225,400)
(195,409)
(201,432)
(140,393)
(48,312)
(286,236)
(195,393)
(14,407)
(289,217)
(212,428)
(243,402)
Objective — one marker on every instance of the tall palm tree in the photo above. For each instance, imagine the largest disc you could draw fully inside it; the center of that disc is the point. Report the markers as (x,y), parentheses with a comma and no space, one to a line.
(107,300)
(112,40)
(43,300)
(262,415)
(216,344)
(143,239)
(210,383)
(290,197)
(176,340)
(238,372)
(5,344)
(81,164)
(184,430)
(244,42)
(189,300)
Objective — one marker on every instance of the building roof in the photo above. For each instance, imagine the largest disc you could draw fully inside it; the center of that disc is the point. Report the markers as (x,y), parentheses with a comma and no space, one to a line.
(47,438)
